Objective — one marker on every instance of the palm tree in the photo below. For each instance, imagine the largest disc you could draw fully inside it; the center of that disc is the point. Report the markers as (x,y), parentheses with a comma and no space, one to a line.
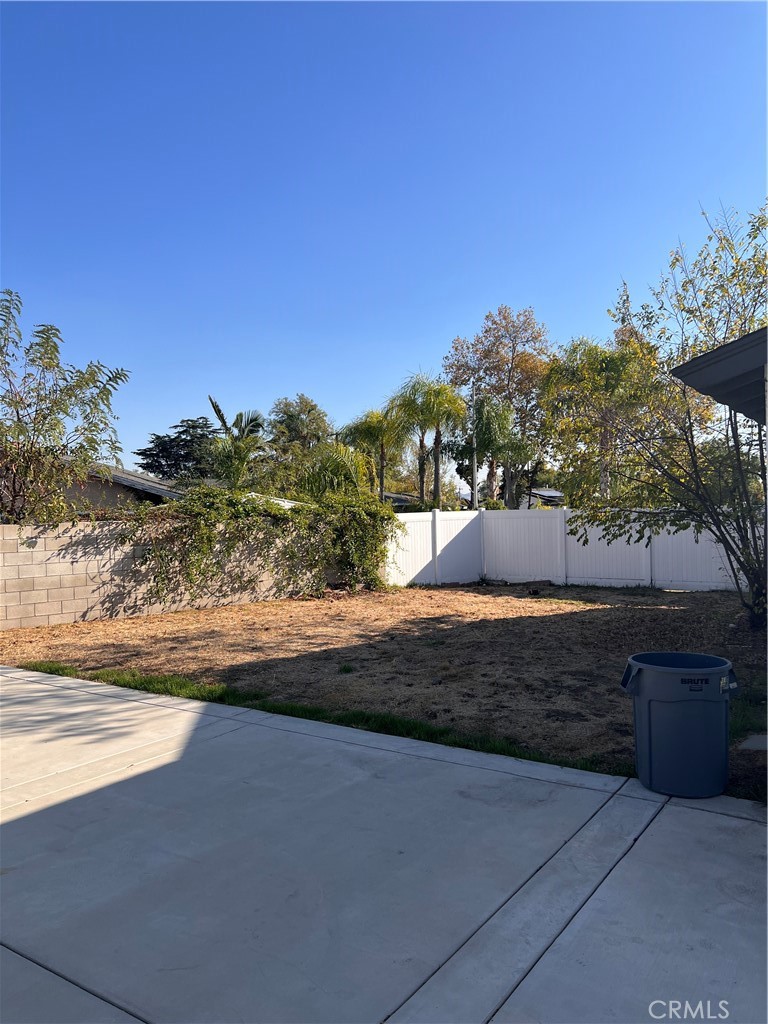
(333,466)
(236,452)
(379,434)
(408,405)
(428,404)
(245,424)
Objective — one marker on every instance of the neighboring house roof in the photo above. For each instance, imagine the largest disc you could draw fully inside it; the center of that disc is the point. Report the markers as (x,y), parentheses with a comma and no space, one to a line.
(401,499)
(136,481)
(147,484)
(282,502)
(732,374)
(548,496)
(547,492)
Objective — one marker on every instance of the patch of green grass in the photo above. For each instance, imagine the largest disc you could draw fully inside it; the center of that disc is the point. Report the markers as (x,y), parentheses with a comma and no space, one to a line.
(748,709)
(169,685)
(370,721)
(346,669)
(747,716)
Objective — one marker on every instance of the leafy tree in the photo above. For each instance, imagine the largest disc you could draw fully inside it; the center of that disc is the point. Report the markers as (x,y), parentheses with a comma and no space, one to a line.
(514,454)
(381,435)
(506,360)
(682,460)
(590,392)
(56,420)
(429,405)
(299,421)
(294,428)
(459,447)
(237,454)
(500,444)
(181,456)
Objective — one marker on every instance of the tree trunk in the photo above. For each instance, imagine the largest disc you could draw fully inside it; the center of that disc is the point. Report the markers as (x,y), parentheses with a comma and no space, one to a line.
(605,466)
(422,470)
(757,603)
(510,487)
(436,449)
(491,480)
(382,466)
(532,475)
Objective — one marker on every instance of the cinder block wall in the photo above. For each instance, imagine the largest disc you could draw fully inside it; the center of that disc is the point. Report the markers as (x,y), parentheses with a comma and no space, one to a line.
(76,572)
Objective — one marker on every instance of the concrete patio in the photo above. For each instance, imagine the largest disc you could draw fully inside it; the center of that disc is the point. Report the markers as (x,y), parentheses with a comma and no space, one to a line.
(171,861)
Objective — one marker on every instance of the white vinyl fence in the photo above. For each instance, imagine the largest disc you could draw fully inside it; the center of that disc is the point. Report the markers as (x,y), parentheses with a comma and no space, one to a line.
(464,547)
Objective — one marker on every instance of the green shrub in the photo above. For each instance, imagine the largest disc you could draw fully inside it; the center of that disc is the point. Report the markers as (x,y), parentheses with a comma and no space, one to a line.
(214,542)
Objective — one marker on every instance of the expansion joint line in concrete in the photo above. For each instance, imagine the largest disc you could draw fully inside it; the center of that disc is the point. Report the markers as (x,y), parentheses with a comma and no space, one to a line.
(581,905)
(500,907)
(76,984)
(427,757)
(265,724)
(721,813)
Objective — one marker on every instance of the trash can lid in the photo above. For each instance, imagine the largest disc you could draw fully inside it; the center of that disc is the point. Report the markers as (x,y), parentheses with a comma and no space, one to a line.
(674,661)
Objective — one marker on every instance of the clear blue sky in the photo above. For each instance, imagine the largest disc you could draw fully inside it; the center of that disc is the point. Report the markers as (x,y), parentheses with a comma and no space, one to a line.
(254,200)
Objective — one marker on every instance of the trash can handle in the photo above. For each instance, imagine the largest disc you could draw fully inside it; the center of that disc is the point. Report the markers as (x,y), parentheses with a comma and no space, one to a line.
(733,682)
(627,680)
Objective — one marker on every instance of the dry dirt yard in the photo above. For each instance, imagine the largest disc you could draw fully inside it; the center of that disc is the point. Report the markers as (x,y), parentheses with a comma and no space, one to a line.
(540,666)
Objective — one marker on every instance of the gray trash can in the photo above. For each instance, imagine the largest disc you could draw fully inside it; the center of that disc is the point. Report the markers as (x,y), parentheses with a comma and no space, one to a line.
(681,721)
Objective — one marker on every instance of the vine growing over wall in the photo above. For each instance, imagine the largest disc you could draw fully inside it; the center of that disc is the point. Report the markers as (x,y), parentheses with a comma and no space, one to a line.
(212,543)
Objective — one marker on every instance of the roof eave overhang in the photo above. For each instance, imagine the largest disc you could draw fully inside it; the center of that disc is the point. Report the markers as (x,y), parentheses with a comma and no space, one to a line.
(733,374)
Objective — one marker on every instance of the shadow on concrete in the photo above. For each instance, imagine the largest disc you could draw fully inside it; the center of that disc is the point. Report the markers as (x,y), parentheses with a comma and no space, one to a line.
(549,683)
(177,866)
(184,867)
